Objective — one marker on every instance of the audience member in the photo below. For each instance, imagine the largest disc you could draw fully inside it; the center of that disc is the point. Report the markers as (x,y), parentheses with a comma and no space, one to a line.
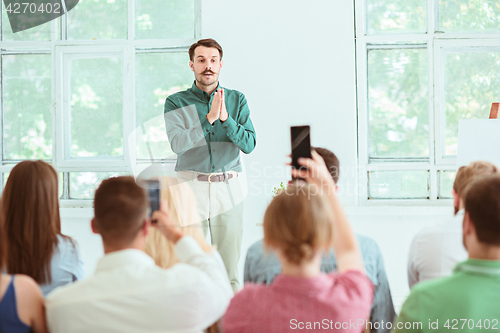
(181,203)
(128,292)
(21,301)
(29,211)
(262,266)
(299,224)
(435,250)
(468,299)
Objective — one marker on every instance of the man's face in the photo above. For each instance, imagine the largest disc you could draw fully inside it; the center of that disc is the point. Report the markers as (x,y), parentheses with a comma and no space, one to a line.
(206,65)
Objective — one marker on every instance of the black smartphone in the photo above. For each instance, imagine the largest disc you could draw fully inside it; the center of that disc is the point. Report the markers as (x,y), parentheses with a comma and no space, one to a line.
(153,188)
(301,144)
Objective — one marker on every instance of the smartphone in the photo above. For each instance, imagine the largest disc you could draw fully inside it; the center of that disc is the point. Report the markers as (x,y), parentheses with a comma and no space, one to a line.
(301,144)
(153,188)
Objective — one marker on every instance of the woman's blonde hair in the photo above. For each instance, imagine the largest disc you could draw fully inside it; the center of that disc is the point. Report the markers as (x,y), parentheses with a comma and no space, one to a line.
(182,205)
(299,222)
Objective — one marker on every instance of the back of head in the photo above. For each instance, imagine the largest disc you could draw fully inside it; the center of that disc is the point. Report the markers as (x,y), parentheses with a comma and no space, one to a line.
(182,206)
(331,161)
(466,174)
(120,208)
(29,213)
(482,203)
(298,222)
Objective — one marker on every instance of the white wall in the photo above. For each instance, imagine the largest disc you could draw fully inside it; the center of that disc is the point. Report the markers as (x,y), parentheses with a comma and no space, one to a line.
(295,62)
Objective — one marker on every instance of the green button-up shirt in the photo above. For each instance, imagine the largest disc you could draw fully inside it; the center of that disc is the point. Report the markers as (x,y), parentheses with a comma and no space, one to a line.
(204,147)
(461,302)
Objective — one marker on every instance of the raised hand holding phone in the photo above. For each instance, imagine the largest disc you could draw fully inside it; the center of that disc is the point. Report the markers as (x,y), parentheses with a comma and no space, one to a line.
(314,171)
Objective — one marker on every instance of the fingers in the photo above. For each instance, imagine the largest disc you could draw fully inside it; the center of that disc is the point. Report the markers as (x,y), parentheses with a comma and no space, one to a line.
(156,216)
(300,173)
(306,162)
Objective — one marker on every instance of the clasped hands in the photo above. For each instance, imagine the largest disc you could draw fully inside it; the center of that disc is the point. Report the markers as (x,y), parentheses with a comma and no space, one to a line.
(218,110)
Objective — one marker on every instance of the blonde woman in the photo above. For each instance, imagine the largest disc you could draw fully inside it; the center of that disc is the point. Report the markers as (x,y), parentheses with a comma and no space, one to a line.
(182,206)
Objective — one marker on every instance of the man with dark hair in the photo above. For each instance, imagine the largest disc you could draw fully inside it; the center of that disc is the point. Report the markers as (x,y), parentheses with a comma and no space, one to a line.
(467,300)
(263,266)
(207,127)
(128,293)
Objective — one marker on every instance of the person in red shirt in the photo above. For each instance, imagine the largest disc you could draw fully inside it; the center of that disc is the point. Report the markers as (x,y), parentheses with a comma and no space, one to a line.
(299,225)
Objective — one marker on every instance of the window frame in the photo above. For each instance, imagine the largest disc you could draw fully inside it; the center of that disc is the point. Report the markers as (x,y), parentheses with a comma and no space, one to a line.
(61,49)
(433,41)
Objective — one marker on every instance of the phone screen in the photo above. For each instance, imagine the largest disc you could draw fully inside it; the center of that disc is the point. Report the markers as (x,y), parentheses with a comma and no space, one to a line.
(153,195)
(301,144)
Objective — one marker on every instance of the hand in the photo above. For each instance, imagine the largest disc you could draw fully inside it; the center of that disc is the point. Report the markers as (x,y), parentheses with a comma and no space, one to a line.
(162,220)
(214,113)
(316,173)
(223,112)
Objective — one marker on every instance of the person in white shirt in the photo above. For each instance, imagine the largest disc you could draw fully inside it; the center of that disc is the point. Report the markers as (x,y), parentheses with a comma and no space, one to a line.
(435,250)
(128,292)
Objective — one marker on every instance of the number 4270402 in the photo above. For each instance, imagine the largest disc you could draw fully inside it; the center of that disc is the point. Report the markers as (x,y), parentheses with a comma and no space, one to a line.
(463,324)
(33,8)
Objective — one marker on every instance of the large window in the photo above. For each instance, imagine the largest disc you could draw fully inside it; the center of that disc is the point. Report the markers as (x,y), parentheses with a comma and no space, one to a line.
(85,92)
(421,66)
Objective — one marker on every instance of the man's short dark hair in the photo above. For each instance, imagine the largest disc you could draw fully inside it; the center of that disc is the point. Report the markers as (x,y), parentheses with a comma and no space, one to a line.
(208,42)
(482,202)
(120,207)
(331,161)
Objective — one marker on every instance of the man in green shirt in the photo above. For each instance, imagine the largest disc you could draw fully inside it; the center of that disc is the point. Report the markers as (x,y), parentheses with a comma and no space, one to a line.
(468,299)
(207,127)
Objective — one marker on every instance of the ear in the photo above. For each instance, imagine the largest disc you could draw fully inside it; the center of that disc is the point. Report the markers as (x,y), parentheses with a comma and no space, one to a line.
(336,189)
(468,227)
(93,225)
(145,227)
(191,65)
(456,198)
(221,63)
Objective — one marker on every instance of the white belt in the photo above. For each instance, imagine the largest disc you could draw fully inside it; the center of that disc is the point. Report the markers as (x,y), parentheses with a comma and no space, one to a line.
(214,177)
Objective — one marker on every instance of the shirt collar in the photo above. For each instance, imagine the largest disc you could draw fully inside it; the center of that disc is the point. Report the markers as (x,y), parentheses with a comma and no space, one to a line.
(479,266)
(124,258)
(200,93)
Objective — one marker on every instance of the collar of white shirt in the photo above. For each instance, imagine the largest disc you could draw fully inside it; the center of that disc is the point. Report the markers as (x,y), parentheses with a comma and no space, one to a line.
(123,257)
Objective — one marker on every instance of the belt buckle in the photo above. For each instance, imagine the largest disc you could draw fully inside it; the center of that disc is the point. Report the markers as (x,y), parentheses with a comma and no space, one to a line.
(210,175)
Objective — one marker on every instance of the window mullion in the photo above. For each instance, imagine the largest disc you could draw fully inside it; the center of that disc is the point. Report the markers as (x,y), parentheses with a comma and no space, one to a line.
(434,181)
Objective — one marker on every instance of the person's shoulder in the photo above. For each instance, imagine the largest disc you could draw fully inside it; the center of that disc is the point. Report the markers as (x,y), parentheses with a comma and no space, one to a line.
(367,242)
(68,293)
(25,286)
(179,94)
(353,279)
(181,276)
(67,248)
(173,101)
(369,249)
(250,292)
(233,92)
(256,249)
(436,286)
(66,242)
